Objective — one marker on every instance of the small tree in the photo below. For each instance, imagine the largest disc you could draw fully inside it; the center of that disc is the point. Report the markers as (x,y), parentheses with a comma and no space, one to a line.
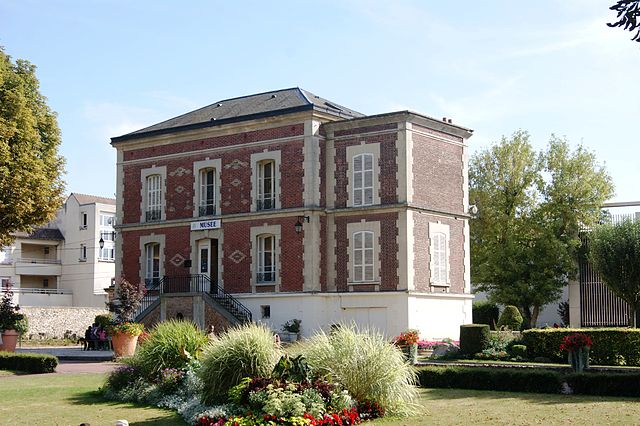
(510,318)
(614,251)
(128,299)
(9,313)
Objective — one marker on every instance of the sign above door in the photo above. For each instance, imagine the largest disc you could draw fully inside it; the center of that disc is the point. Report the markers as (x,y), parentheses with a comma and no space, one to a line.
(203,225)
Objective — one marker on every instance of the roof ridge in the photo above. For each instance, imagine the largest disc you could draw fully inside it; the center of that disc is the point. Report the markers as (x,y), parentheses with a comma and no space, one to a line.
(90,195)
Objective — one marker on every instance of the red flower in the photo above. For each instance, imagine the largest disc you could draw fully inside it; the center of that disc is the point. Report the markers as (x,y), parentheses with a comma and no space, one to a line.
(575,341)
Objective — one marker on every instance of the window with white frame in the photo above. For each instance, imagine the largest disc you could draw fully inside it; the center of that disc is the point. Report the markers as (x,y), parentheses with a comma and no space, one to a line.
(266,252)
(83,252)
(154,198)
(266,185)
(363,256)
(363,179)
(84,218)
(5,255)
(207,203)
(152,263)
(5,283)
(107,234)
(439,254)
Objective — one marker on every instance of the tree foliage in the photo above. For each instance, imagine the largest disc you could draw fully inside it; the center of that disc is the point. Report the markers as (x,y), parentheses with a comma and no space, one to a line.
(531,207)
(31,184)
(614,251)
(628,16)
(128,299)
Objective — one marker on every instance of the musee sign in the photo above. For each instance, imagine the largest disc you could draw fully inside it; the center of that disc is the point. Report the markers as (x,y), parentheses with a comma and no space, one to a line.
(203,225)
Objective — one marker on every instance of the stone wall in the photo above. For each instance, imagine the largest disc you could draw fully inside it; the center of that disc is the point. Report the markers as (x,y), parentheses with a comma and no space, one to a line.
(47,322)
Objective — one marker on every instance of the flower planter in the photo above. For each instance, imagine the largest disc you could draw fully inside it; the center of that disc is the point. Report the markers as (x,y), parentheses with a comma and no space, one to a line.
(579,359)
(124,344)
(9,340)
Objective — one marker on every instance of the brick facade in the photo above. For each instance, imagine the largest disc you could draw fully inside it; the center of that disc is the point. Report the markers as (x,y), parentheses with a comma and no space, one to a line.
(434,168)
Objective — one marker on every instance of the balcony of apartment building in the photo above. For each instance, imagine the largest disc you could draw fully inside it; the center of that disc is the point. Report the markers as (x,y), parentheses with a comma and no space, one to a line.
(39,290)
(38,260)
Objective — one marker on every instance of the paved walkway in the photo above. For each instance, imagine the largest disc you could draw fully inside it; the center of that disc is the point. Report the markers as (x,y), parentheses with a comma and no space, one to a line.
(69,353)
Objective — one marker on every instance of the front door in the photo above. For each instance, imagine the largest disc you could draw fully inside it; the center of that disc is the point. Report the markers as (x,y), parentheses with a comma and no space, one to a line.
(208,260)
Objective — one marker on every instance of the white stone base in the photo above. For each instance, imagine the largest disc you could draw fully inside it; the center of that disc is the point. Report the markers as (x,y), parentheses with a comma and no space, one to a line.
(434,315)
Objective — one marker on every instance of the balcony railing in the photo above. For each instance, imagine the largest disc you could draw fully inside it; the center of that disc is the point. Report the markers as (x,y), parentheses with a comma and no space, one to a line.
(268,202)
(207,210)
(153,215)
(36,260)
(266,277)
(20,290)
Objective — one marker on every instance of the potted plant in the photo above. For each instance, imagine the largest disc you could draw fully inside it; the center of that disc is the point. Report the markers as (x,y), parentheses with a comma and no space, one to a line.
(124,331)
(577,345)
(408,342)
(9,318)
(292,328)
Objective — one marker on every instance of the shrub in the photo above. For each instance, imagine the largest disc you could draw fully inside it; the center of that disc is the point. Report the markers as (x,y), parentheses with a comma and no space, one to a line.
(365,364)
(518,351)
(499,379)
(485,312)
(244,351)
(510,318)
(103,320)
(603,383)
(611,346)
(170,344)
(29,363)
(121,377)
(474,338)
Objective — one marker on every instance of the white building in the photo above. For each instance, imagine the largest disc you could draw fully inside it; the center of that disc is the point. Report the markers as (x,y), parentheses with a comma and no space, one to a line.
(62,263)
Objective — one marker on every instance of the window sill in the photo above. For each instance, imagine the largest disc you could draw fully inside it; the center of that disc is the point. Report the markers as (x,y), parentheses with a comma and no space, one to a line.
(106,260)
(440,284)
(363,283)
(82,260)
(266,284)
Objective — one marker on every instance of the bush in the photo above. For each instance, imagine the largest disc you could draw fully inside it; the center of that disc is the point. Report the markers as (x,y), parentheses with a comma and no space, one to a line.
(244,351)
(499,379)
(611,346)
(485,312)
(602,383)
(29,363)
(103,320)
(518,351)
(365,364)
(474,338)
(170,344)
(510,318)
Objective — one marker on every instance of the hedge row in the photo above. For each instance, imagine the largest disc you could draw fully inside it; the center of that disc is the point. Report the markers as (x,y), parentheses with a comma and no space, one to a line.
(29,363)
(611,346)
(530,380)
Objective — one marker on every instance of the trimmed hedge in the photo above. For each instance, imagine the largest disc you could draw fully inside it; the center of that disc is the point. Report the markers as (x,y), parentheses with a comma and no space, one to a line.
(611,346)
(29,363)
(474,338)
(530,380)
(510,318)
(497,379)
(485,312)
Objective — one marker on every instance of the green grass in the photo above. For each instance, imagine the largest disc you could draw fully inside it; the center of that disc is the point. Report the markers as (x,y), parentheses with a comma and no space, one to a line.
(469,407)
(70,399)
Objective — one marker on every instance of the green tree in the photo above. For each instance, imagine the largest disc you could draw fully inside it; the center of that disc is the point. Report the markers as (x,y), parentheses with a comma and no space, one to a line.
(31,169)
(614,251)
(628,16)
(531,207)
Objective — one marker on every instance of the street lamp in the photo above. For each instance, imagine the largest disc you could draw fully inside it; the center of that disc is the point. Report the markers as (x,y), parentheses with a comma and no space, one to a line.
(101,242)
(298,225)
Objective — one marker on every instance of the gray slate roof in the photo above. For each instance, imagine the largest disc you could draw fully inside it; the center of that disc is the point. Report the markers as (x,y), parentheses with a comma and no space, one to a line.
(246,108)
(90,199)
(42,234)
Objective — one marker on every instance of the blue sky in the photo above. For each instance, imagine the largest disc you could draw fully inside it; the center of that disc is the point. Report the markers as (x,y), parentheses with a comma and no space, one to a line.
(111,67)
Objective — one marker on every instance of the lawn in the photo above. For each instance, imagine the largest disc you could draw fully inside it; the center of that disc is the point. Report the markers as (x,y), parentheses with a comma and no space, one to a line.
(70,399)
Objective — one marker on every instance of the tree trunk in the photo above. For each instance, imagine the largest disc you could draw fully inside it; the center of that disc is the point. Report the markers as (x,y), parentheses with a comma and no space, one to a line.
(534,317)
(525,311)
(633,310)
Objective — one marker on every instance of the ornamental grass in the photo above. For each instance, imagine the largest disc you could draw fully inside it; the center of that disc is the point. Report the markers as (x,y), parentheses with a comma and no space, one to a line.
(244,351)
(170,344)
(365,364)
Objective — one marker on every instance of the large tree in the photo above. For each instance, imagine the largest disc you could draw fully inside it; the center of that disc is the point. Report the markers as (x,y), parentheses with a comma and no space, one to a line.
(31,169)
(628,16)
(614,251)
(531,206)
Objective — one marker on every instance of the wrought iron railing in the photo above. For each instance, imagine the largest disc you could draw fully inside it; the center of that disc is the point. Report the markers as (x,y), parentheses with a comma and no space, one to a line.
(267,202)
(266,277)
(193,284)
(207,210)
(153,215)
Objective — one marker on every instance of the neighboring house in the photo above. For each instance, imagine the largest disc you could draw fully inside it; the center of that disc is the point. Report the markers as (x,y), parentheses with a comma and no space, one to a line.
(285,205)
(62,264)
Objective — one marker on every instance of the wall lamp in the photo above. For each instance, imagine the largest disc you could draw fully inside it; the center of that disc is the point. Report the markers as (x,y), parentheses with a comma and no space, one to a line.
(301,220)
(112,236)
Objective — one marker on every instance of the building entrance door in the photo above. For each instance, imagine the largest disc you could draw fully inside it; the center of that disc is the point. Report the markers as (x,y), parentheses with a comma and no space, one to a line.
(208,261)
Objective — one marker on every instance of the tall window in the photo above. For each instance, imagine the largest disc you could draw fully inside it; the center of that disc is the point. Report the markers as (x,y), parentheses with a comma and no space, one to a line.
(363,256)
(5,283)
(266,185)
(266,259)
(363,180)
(154,198)
(152,260)
(5,255)
(439,254)
(83,220)
(107,253)
(207,192)
(83,252)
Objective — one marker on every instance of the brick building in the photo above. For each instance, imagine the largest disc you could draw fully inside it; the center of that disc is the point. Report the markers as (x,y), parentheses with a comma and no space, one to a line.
(291,206)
